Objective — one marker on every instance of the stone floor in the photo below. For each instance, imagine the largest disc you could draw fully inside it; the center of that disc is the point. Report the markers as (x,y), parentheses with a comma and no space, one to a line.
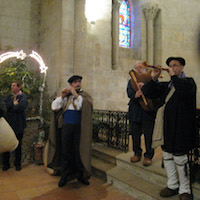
(33,183)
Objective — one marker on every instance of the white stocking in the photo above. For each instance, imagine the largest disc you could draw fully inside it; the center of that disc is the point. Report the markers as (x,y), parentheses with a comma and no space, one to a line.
(183,172)
(170,168)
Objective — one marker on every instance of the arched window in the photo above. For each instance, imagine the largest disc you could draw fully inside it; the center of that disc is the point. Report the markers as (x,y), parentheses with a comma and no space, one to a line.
(124,25)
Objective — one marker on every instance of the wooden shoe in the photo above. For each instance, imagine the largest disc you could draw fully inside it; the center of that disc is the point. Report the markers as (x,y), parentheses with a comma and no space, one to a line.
(62,182)
(84,181)
(135,158)
(6,167)
(185,196)
(167,192)
(18,168)
(146,162)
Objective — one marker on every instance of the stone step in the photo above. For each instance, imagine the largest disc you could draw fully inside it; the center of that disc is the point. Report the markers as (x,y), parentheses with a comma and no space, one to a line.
(196,190)
(154,174)
(105,153)
(139,181)
(100,167)
(133,185)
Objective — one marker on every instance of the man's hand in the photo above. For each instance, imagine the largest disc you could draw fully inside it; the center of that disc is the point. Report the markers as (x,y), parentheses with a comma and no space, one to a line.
(16,102)
(155,74)
(140,84)
(64,93)
(169,70)
(73,91)
(138,94)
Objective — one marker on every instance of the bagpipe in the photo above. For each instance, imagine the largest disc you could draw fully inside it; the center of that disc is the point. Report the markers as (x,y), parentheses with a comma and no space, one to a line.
(144,77)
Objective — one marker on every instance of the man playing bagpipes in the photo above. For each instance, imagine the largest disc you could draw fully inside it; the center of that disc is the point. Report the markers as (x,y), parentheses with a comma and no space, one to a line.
(141,120)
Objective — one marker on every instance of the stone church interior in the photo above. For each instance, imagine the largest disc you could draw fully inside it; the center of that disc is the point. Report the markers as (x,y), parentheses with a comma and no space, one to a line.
(48,41)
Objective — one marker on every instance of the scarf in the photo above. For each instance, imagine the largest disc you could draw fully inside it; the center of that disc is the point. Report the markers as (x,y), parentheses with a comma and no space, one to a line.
(157,138)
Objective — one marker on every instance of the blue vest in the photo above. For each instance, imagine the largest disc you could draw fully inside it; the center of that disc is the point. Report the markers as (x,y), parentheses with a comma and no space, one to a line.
(72,117)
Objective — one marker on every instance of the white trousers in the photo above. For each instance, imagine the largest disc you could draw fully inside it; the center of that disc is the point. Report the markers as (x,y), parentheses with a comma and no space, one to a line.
(174,164)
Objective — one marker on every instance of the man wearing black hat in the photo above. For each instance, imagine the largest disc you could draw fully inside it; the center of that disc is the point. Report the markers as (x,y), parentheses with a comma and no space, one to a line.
(75,120)
(175,128)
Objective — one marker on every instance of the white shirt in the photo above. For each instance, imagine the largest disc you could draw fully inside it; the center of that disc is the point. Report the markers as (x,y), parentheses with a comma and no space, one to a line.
(59,102)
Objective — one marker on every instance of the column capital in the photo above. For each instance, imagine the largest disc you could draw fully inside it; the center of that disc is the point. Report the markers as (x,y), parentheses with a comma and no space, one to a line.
(116,4)
(150,10)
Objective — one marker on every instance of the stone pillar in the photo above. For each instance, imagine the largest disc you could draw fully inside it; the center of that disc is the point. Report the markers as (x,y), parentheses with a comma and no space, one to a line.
(115,33)
(67,41)
(80,38)
(150,11)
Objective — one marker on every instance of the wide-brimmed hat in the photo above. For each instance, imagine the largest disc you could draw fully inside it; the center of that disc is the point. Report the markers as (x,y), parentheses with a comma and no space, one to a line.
(181,60)
(74,77)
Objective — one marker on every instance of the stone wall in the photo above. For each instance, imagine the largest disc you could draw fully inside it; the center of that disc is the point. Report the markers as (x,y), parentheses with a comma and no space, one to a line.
(57,41)
(69,44)
(19,22)
(92,48)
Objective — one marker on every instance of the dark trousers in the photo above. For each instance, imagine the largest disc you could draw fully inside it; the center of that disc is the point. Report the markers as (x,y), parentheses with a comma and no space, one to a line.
(70,157)
(18,152)
(136,130)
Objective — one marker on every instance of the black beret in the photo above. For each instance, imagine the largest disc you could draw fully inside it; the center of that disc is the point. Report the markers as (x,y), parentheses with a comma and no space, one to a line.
(73,78)
(181,60)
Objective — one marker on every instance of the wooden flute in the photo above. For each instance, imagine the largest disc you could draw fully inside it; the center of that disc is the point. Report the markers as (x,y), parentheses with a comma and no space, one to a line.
(156,67)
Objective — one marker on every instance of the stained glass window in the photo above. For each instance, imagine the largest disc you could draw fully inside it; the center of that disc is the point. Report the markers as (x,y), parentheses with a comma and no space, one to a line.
(124,25)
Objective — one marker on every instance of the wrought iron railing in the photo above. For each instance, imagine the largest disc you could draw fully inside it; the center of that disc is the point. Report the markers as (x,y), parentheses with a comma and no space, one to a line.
(111,129)
(194,155)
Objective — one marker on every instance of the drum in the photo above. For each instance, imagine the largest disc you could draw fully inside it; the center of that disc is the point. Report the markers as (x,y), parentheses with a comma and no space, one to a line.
(8,140)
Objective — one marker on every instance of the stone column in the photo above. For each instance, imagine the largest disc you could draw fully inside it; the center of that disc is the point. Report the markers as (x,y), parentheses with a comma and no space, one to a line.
(115,33)
(150,11)
(67,41)
(81,42)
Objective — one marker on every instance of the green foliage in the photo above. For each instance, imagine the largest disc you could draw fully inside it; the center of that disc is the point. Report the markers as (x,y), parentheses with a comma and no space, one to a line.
(31,81)
(17,70)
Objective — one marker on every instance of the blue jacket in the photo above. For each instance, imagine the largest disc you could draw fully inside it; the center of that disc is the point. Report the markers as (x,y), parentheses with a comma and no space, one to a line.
(15,115)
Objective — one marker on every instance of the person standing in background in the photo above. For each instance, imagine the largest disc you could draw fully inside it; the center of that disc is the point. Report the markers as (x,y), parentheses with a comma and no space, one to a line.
(140,121)
(16,104)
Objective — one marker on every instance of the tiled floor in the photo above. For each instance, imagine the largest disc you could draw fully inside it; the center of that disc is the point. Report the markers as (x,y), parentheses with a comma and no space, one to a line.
(33,183)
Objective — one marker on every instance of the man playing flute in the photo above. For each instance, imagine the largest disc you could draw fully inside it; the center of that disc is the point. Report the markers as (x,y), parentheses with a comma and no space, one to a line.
(175,127)
(75,109)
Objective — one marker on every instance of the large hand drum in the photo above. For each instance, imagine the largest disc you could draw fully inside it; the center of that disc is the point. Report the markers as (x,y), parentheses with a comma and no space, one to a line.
(8,140)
